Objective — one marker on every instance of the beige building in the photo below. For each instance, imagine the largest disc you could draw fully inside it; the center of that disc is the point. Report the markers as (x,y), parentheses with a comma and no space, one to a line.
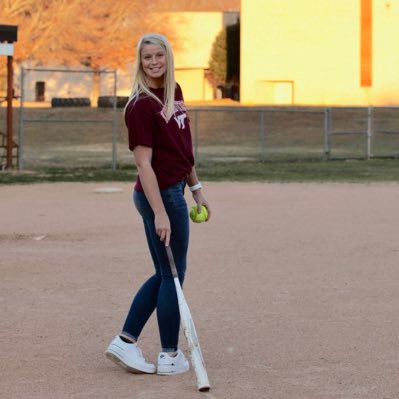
(193,53)
(342,52)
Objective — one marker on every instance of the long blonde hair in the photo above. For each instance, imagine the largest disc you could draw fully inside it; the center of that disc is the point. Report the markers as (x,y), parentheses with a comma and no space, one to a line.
(140,85)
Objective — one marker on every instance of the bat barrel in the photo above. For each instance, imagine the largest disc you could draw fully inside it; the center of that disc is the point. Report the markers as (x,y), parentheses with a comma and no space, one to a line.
(189,330)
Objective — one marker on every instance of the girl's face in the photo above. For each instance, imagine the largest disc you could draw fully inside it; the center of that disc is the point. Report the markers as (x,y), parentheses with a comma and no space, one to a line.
(153,62)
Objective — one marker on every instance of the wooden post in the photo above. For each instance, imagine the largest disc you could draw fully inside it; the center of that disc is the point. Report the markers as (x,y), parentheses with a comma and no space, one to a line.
(10,73)
(8,35)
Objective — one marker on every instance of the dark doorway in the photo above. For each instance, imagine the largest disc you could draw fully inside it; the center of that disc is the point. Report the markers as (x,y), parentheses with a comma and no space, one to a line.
(40,91)
(233,61)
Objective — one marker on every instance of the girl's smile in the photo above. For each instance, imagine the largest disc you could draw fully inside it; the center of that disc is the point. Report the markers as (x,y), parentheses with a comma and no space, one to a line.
(153,62)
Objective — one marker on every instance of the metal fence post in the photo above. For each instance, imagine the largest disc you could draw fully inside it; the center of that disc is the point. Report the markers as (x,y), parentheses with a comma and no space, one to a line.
(370,131)
(21,122)
(114,125)
(262,136)
(327,132)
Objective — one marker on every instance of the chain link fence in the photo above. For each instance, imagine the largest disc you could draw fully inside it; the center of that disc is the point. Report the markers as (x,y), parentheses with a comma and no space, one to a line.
(84,137)
(295,133)
(59,137)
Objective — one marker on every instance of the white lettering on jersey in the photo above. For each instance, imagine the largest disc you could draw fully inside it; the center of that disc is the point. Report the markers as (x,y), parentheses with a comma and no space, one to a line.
(180,120)
(179,107)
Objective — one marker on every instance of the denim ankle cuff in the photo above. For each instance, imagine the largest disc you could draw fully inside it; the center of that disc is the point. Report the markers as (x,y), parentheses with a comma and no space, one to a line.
(128,336)
(169,350)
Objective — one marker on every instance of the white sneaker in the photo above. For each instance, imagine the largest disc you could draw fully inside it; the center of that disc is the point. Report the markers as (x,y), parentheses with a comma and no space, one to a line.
(128,356)
(168,365)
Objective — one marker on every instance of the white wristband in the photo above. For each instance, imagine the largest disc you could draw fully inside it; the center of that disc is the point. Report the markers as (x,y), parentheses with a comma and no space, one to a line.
(195,187)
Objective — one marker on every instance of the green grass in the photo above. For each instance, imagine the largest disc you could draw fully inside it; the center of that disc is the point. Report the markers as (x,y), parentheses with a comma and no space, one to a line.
(376,170)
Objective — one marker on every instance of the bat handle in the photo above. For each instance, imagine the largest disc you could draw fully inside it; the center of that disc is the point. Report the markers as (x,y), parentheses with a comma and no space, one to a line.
(171,261)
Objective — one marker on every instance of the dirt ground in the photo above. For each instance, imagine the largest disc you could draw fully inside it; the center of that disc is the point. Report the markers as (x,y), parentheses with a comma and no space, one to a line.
(294,289)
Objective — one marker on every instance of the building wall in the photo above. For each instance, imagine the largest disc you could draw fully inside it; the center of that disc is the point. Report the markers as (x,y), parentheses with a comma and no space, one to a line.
(386,51)
(195,33)
(57,84)
(308,52)
(194,84)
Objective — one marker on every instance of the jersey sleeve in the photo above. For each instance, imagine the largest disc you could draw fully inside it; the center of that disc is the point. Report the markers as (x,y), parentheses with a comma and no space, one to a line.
(139,118)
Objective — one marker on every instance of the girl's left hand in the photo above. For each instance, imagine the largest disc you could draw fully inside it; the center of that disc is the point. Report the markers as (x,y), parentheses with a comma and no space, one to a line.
(201,201)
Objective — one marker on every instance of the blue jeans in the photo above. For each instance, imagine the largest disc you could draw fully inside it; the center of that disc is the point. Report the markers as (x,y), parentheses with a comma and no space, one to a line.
(159,292)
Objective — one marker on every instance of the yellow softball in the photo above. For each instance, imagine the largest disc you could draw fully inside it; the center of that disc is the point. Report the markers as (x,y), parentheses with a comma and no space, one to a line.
(198,217)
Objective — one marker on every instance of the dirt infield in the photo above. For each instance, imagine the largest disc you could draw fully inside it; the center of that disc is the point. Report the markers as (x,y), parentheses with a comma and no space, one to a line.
(294,289)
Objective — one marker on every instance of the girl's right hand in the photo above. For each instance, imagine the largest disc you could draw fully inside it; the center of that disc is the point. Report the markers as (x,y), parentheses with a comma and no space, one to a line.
(162,227)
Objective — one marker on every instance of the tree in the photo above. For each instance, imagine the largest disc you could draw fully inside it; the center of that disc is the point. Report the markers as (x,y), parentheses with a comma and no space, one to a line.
(200,5)
(218,60)
(74,32)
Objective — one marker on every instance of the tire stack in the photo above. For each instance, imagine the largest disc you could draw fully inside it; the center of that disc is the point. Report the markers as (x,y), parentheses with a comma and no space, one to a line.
(108,101)
(70,102)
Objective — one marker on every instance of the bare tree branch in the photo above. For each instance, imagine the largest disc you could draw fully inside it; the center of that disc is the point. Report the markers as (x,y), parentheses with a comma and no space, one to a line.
(73,32)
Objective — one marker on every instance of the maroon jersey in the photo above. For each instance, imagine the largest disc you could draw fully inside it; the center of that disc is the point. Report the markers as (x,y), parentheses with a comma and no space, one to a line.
(172,150)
